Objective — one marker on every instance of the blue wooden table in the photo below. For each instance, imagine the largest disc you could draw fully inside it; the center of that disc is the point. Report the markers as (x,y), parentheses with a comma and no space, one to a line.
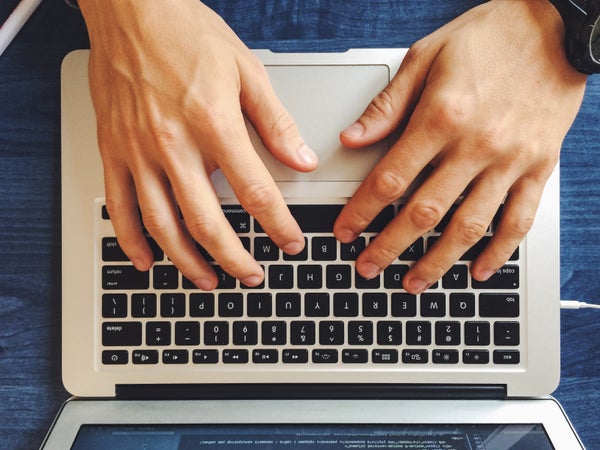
(31,391)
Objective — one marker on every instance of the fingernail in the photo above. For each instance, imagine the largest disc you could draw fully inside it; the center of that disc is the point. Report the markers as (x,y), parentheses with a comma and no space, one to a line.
(369,270)
(141,264)
(307,156)
(345,235)
(293,248)
(354,131)
(252,280)
(206,284)
(417,286)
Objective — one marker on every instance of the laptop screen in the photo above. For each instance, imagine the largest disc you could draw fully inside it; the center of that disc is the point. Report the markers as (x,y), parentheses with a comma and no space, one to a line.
(321,436)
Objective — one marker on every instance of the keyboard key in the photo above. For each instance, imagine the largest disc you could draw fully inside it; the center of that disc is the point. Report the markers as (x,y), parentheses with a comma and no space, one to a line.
(404,305)
(265,249)
(238,218)
(506,333)
(114,305)
(288,304)
(477,333)
(445,356)
(374,304)
(302,256)
(231,305)
(281,277)
(350,251)
(338,276)
(121,334)
(462,305)
(274,333)
(316,304)
(175,357)
(345,304)
(418,333)
(381,220)
(389,332)
(456,278)
(325,356)
(187,333)
(414,251)
(499,305)
(172,305)
(111,250)
(415,356)
(202,305)
(245,333)
(143,305)
(331,332)
(216,333)
(507,277)
(433,304)
(324,249)
(260,304)
(235,356)
(447,333)
(393,275)
(145,357)
(362,283)
(355,356)
(124,278)
(316,218)
(165,277)
(386,356)
(302,333)
(476,357)
(360,332)
(295,356)
(507,357)
(226,281)
(158,333)
(310,276)
(115,357)
(265,356)
(205,356)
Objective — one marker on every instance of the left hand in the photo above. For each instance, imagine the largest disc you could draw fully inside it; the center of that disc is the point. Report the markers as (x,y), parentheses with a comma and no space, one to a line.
(487,101)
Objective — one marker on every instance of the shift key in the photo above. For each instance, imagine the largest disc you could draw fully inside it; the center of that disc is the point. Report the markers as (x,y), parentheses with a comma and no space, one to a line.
(124,278)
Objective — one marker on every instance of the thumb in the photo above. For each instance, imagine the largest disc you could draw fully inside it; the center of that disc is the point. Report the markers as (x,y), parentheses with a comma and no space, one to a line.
(392,106)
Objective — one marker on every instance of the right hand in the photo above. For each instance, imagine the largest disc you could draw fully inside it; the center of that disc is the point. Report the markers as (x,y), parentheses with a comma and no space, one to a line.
(170,85)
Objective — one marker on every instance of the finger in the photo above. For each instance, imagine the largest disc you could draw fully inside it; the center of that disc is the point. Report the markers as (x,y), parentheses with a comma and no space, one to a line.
(272,122)
(122,207)
(394,104)
(467,226)
(516,221)
(422,212)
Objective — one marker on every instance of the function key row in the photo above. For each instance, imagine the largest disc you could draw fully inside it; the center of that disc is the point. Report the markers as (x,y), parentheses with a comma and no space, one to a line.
(317,356)
(315,304)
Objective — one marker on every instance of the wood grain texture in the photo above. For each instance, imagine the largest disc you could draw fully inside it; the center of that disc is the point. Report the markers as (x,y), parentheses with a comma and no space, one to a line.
(30,383)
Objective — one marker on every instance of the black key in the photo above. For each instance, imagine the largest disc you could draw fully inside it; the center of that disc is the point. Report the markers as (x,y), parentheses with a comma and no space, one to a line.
(245,333)
(507,277)
(316,218)
(202,305)
(114,305)
(325,356)
(345,304)
(274,333)
(145,357)
(281,277)
(338,276)
(331,332)
(260,304)
(143,305)
(476,356)
(414,252)
(433,304)
(111,250)
(310,276)
(447,333)
(355,356)
(121,334)
(115,357)
(389,332)
(172,305)
(238,218)
(393,275)
(381,220)
(316,304)
(362,283)
(231,305)
(124,278)
(507,333)
(158,333)
(295,356)
(265,249)
(418,333)
(445,356)
(456,278)
(477,333)
(404,305)
(374,304)
(205,356)
(415,356)
(360,333)
(226,281)
(507,357)
(216,333)
(462,305)
(287,304)
(165,277)
(264,356)
(238,356)
(441,226)
(386,356)
(187,333)
(350,251)
(302,256)
(175,357)
(324,249)
(499,305)
(302,333)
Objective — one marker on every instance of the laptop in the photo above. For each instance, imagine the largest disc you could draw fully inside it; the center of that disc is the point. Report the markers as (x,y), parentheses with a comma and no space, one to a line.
(316,356)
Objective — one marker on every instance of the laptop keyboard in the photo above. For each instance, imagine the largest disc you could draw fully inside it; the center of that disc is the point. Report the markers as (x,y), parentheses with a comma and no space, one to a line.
(312,308)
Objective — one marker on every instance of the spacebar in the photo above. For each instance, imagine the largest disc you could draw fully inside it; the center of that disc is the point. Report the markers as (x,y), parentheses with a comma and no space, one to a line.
(315,218)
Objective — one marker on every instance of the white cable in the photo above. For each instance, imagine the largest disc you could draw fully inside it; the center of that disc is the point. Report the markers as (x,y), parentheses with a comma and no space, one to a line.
(574,304)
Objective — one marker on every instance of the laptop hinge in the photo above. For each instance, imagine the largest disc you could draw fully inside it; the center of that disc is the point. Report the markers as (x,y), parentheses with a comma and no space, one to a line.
(308,391)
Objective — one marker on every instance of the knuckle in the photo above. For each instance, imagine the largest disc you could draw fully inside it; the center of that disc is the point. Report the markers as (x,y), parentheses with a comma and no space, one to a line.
(450,112)
(157,226)
(470,230)
(282,125)
(425,216)
(518,226)
(258,199)
(388,185)
(203,228)
(381,105)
